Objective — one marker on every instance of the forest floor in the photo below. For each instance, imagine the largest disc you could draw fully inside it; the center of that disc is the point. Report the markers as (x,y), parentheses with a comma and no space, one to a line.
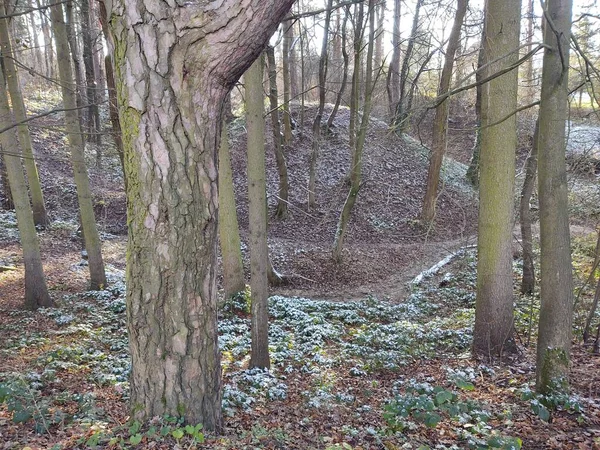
(370,361)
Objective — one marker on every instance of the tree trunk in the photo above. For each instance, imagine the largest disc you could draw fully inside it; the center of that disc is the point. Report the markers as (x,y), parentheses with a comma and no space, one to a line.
(93,114)
(473,170)
(79,79)
(530,92)
(48,50)
(36,292)
(84,196)
(440,123)
(114,113)
(35,188)
(380,9)
(528,281)
(393,76)
(189,56)
(39,59)
(493,332)
(257,202)
(402,109)
(316,128)
(288,34)
(359,142)
(229,231)
(344,82)
(282,198)
(7,201)
(556,311)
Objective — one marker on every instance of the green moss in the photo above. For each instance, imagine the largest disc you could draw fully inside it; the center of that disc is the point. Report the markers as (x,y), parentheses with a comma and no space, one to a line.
(554,367)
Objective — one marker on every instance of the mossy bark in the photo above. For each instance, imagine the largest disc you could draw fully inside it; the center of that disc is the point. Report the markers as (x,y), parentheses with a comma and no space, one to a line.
(556,285)
(36,291)
(229,234)
(77,147)
(493,332)
(257,202)
(40,217)
(174,66)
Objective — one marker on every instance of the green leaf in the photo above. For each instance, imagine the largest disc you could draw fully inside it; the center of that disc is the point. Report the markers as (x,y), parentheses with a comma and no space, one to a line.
(443,397)
(21,416)
(135,439)
(431,420)
(178,433)
(544,413)
(189,429)
(465,385)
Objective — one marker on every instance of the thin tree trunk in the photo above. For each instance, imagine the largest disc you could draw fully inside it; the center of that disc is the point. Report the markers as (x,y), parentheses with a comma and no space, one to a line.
(493,331)
(229,233)
(530,94)
(440,123)
(79,79)
(35,188)
(359,142)
(393,77)
(39,59)
(86,209)
(473,169)
(556,311)
(257,200)
(379,34)
(48,49)
(36,291)
(528,281)
(288,34)
(316,128)
(344,82)
(171,116)
(90,80)
(282,199)
(114,113)
(7,201)
(402,109)
(592,311)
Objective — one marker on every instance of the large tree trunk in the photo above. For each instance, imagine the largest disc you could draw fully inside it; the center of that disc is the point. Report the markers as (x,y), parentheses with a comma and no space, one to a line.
(393,76)
(174,66)
(84,195)
(440,122)
(229,231)
(493,332)
(528,281)
(37,198)
(556,311)
(36,292)
(282,198)
(361,134)
(316,128)
(257,205)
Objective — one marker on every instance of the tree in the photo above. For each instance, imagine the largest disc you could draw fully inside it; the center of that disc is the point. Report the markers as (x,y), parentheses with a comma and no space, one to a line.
(12,78)
(393,76)
(93,113)
(344,52)
(84,196)
(556,284)
(257,205)
(357,137)
(286,44)
(229,233)
(174,66)
(316,128)
(440,122)
(282,197)
(493,332)
(36,291)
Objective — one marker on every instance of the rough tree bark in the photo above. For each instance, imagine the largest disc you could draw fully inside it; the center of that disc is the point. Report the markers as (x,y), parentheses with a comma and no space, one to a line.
(229,231)
(35,188)
(257,205)
(440,122)
(282,198)
(84,195)
(316,127)
(556,277)
(493,332)
(175,64)
(36,291)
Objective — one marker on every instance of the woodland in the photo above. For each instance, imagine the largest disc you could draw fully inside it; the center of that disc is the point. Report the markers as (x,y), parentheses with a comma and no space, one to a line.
(311,224)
